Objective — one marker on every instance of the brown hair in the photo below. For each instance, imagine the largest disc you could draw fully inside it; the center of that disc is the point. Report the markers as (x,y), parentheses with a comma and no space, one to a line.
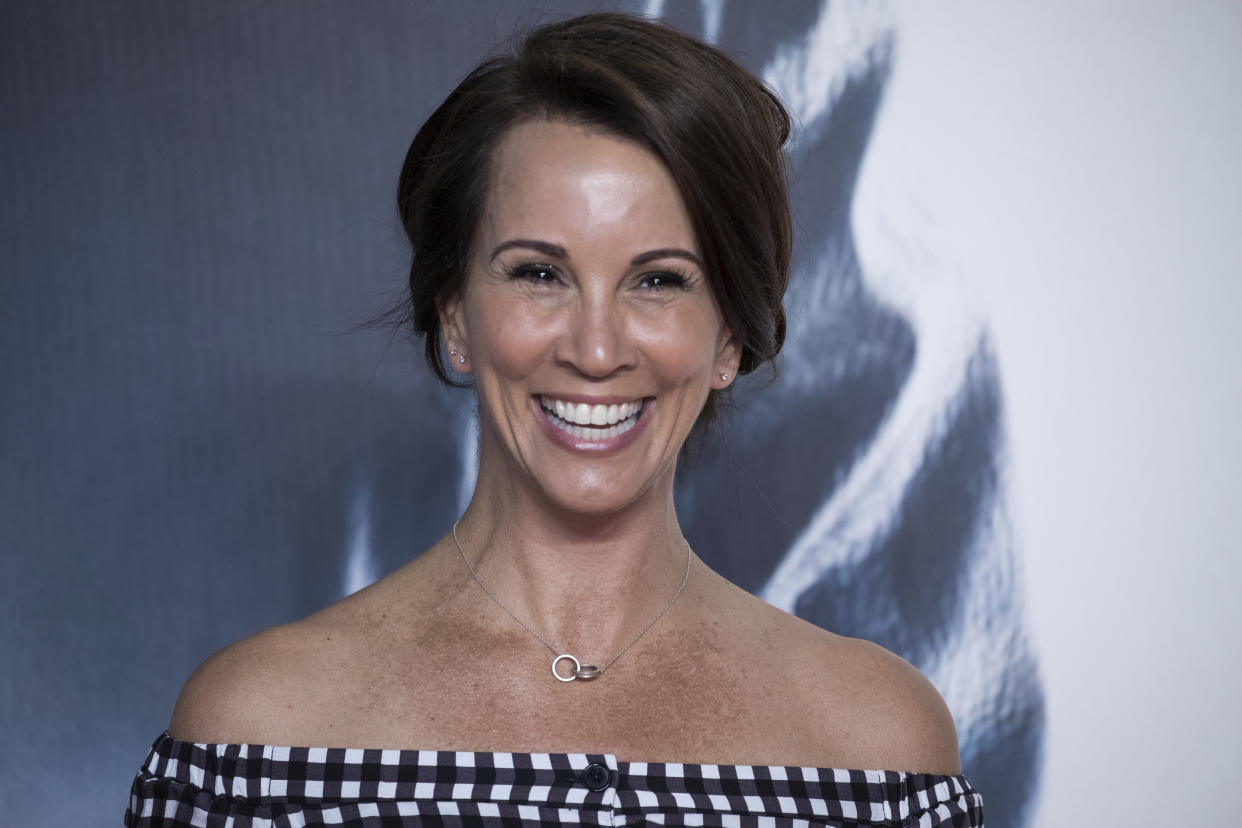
(716,128)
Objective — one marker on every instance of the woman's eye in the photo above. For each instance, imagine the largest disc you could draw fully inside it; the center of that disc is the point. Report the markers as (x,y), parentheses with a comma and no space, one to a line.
(663,279)
(535,273)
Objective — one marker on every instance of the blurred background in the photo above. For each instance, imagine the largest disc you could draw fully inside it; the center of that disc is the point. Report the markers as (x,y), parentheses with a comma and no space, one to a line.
(1002,443)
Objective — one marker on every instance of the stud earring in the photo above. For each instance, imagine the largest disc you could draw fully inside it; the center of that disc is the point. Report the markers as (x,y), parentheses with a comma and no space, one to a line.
(452,350)
(461,360)
(724,376)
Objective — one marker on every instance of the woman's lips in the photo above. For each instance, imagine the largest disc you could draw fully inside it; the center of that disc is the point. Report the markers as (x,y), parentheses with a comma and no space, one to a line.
(592,426)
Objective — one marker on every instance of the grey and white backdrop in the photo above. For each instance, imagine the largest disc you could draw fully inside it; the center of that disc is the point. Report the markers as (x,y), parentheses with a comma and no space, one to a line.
(1003,441)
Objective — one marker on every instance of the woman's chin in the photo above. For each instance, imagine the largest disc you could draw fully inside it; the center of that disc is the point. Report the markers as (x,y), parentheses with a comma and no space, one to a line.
(592,503)
(594,495)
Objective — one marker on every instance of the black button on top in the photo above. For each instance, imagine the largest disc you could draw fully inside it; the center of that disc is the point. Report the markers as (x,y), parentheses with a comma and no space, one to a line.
(596,776)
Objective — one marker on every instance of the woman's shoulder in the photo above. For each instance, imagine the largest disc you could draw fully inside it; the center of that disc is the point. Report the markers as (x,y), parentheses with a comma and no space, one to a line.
(247,690)
(865,706)
(289,683)
(277,685)
(897,718)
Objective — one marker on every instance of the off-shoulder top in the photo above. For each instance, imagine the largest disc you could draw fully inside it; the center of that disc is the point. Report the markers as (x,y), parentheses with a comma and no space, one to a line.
(248,786)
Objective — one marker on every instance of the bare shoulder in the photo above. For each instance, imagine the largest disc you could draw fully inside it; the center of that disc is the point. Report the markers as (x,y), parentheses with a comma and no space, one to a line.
(244,692)
(895,716)
(310,682)
(854,703)
(341,676)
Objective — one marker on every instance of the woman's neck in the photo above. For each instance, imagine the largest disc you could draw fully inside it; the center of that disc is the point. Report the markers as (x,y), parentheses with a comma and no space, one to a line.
(587,583)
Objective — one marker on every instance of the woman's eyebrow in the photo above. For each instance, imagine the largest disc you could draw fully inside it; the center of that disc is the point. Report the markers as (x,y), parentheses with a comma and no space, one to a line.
(558,252)
(665,253)
(553,250)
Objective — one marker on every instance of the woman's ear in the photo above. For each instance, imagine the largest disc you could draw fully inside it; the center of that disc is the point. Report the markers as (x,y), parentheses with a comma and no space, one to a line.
(728,358)
(453,328)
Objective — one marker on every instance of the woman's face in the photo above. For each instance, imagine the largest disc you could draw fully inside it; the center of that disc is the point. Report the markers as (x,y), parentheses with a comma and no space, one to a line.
(586,319)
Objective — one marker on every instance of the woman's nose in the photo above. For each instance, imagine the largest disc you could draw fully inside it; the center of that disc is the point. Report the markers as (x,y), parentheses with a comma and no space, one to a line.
(596,342)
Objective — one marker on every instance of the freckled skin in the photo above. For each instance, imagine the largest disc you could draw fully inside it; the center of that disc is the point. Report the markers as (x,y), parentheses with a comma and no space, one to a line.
(583,545)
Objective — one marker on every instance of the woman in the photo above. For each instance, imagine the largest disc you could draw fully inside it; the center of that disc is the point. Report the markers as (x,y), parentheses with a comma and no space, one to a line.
(601,244)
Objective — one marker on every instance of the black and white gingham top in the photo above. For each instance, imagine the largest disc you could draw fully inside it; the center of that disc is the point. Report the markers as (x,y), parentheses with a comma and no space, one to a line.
(247,786)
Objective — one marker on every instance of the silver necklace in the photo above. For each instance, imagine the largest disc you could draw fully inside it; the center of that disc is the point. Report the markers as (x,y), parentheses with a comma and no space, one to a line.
(583,672)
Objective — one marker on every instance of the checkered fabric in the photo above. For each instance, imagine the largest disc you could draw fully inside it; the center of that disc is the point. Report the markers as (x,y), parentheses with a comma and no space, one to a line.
(247,786)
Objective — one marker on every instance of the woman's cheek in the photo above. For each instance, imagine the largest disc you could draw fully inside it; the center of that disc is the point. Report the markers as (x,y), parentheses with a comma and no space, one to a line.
(516,332)
(680,345)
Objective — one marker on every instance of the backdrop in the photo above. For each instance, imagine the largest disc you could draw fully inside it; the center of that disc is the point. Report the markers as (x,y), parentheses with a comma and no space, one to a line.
(197,443)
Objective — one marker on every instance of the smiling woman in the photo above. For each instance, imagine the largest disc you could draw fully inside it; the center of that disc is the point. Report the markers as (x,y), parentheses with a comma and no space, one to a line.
(601,244)
(585,289)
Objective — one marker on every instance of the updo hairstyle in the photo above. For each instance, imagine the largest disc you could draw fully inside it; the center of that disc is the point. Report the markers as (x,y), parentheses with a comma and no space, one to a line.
(717,129)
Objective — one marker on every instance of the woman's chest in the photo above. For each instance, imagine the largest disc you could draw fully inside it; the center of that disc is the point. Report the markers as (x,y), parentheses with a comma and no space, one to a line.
(663,700)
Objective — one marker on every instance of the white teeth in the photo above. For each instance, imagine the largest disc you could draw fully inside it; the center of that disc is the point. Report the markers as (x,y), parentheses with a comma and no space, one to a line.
(593,423)
(594,415)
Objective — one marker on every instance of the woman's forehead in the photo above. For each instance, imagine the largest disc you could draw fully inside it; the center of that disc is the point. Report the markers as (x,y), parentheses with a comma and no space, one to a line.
(553,177)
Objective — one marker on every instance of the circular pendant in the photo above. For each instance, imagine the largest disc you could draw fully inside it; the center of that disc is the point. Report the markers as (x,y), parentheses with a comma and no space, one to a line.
(572,675)
(583,672)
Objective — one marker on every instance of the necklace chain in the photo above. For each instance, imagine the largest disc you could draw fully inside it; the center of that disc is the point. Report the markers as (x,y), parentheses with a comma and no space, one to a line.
(585,672)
